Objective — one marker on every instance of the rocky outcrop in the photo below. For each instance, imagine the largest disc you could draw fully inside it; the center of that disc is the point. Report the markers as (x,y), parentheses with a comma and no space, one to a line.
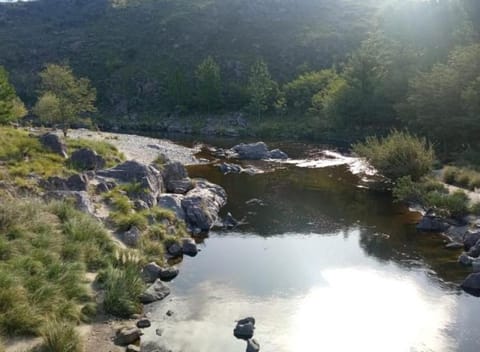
(155,292)
(256,151)
(176,178)
(53,142)
(149,179)
(172,202)
(202,204)
(87,159)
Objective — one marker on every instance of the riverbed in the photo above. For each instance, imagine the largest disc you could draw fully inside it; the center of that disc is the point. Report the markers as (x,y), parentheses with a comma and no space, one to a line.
(323,262)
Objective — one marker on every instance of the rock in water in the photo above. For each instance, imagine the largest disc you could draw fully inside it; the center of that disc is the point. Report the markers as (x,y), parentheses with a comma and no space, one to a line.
(127,336)
(189,247)
(143,323)
(227,168)
(87,159)
(176,178)
(464,259)
(54,143)
(278,154)
(470,239)
(151,272)
(430,223)
(202,204)
(156,292)
(252,151)
(245,328)
(168,274)
(175,250)
(474,251)
(253,346)
(472,284)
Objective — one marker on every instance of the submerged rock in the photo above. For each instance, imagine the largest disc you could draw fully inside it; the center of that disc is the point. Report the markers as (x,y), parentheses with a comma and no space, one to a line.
(474,251)
(54,143)
(87,159)
(155,292)
(256,151)
(227,168)
(465,259)
(431,223)
(454,245)
(253,346)
(230,222)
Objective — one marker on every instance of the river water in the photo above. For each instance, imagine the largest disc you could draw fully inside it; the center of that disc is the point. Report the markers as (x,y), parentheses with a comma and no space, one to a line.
(323,264)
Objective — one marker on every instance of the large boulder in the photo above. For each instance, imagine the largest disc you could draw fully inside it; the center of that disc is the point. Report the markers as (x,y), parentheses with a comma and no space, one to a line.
(149,179)
(472,284)
(87,159)
(155,292)
(80,199)
(202,204)
(470,239)
(431,223)
(173,173)
(54,143)
(172,202)
(252,151)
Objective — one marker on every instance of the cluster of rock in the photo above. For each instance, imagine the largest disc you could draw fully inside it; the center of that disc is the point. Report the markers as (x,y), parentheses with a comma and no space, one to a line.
(249,151)
(244,330)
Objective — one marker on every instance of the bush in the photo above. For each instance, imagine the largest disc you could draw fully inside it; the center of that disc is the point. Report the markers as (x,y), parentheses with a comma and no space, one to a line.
(455,204)
(461,177)
(60,337)
(398,155)
(475,209)
(449,175)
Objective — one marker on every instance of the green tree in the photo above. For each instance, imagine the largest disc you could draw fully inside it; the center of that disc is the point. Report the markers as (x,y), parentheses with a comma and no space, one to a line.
(178,91)
(300,91)
(208,84)
(11,107)
(261,88)
(64,99)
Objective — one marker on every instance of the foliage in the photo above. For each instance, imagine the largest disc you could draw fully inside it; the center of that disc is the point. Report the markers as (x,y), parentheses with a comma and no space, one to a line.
(11,107)
(261,88)
(461,177)
(397,155)
(60,336)
(64,98)
(208,84)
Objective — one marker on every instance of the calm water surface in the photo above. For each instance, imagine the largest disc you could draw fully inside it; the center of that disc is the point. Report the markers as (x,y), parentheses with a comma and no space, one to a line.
(323,265)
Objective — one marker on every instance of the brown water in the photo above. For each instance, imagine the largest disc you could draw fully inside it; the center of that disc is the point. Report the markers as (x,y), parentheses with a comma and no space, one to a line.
(323,266)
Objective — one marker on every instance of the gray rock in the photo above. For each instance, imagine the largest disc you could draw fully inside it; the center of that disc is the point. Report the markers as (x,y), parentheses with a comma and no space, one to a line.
(54,143)
(227,168)
(253,346)
(474,251)
(78,182)
(151,272)
(87,159)
(180,186)
(472,284)
(175,250)
(202,204)
(133,348)
(132,236)
(189,247)
(105,186)
(465,259)
(277,154)
(244,329)
(470,239)
(173,172)
(127,336)
(252,151)
(54,183)
(143,323)
(430,223)
(168,274)
(155,292)
(139,205)
(172,202)
(476,265)
(80,199)
(149,179)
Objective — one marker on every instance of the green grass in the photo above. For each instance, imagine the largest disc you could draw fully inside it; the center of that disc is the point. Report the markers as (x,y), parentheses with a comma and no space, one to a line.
(106,150)
(45,252)
(60,336)
(461,177)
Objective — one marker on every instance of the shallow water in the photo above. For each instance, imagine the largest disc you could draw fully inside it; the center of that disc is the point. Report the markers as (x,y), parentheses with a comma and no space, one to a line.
(323,265)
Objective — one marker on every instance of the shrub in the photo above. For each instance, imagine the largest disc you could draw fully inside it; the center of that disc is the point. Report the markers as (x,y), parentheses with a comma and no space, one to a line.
(455,204)
(475,208)
(461,177)
(125,222)
(397,155)
(449,175)
(60,336)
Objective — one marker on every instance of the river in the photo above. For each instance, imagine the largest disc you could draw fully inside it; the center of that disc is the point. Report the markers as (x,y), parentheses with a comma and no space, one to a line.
(324,263)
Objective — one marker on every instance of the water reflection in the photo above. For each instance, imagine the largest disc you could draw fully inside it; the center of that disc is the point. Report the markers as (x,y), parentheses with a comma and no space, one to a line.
(308,293)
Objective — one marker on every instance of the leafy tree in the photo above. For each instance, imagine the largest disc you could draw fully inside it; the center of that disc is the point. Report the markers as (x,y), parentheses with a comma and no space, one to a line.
(11,107)
(208,84)
(178,91)
(300,91)
(64,99)
(261,88)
